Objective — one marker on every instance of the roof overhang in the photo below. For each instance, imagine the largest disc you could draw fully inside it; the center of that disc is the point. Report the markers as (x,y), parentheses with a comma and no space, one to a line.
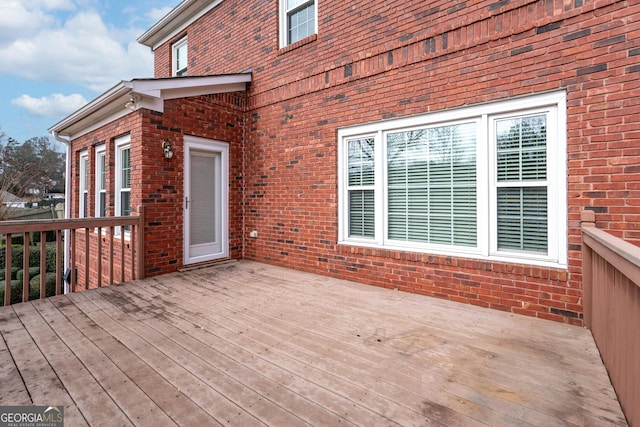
(176,21)
(128,96)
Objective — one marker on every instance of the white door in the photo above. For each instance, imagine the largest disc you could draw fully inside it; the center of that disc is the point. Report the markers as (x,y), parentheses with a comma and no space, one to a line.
(206,200)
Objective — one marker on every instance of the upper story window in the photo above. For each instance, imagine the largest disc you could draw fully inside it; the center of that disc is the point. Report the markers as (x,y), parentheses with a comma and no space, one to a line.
(298,19)
(486,181)
(101,181)
(84,184)
(180,57)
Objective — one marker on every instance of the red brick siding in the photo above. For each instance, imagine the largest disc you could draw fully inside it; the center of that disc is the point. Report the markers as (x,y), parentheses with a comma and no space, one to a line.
(373,61)
(156,182)
(91,281)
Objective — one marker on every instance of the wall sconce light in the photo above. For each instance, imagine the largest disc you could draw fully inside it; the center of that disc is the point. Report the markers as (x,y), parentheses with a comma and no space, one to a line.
(134,102)
(166,149)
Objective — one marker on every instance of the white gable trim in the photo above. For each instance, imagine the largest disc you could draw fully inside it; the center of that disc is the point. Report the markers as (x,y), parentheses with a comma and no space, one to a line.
(176,21)
(147,93)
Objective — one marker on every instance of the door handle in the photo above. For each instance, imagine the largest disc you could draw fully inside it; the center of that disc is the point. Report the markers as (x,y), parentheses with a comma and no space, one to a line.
(186,199)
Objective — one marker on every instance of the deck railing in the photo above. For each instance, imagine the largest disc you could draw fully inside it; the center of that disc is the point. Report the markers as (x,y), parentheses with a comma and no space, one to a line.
(108,233)
(611,279)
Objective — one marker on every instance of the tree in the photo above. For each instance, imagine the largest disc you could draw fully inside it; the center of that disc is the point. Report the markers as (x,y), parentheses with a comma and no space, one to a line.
(34,167)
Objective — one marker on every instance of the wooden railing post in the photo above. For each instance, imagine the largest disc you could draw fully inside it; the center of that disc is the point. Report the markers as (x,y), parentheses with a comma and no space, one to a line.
(587,219)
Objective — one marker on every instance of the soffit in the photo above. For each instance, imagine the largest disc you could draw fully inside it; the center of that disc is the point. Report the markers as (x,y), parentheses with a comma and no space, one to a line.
(146,93)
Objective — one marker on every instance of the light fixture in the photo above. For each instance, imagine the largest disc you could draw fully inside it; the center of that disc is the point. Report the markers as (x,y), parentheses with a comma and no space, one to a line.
(166,149)
(134,102)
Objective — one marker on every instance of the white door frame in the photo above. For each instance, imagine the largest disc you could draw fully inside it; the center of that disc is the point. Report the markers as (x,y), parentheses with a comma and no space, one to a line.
(191,144)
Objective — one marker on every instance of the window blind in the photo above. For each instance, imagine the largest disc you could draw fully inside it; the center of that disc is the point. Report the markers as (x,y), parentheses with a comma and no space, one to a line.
(431,181)
(361,178)
(522,188)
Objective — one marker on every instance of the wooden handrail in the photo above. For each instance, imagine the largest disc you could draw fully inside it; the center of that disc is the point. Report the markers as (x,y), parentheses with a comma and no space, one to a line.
(621,254)
(15,227)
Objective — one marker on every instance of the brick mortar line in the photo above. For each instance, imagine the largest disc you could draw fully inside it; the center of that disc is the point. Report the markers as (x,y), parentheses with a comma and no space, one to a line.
(425,57)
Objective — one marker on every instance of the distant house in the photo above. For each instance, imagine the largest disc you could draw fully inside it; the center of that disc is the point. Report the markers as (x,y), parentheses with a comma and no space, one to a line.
(443,148)
(11,200)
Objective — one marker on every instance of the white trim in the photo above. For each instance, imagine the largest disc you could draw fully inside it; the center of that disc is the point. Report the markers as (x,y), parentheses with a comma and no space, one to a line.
(101,150)
(484,115)
(553,227)
(121,144)
(193,143)
(83,187)
(283,21)
(176,21)
(151,94)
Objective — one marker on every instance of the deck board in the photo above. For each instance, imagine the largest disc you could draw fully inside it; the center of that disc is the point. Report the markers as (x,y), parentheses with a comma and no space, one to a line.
(245,343)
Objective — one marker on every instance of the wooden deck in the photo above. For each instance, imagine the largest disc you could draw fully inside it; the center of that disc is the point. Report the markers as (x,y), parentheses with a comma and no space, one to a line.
(250,344)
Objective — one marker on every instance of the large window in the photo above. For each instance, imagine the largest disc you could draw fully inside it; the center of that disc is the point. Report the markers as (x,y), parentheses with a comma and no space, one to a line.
(487,181)
(101,181)
(180,57)
(298,19)
(84,184)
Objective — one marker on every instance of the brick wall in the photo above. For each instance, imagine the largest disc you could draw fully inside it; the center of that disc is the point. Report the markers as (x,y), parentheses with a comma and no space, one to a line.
(374,61)
(156,182)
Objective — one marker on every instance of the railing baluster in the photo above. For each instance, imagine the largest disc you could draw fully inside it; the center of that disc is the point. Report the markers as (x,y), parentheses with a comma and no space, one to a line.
(43,264)
(72,265)
(86,258)
(59,256)
(99,265)
(25,266)
(140,246)
(7,269)
(133,250)
(122,246)
(111,232)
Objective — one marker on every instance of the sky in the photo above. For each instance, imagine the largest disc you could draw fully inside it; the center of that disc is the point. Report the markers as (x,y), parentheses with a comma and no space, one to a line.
(57,55)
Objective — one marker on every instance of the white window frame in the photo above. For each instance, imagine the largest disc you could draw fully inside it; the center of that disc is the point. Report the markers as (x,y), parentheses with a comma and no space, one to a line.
(100,169)
(121,144)
(83,189)
(284,21)
(175,48)
(553,103)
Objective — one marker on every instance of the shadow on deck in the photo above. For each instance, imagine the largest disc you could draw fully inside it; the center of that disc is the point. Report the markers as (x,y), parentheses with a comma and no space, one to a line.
(250,344)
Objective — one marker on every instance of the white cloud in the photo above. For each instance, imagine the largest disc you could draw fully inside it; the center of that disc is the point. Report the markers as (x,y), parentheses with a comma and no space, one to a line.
(17,21)
(53,106)
(156,14)
(83,50)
